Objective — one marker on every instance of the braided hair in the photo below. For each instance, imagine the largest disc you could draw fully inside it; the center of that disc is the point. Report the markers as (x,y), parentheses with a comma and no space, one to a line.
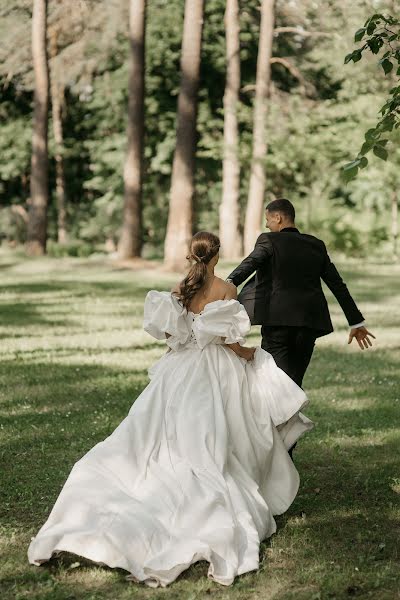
(203,247)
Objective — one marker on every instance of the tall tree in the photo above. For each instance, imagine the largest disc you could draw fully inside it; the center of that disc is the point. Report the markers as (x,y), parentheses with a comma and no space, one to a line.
(395,223)
(37,223)
(130,243)
(231,244)
(180,217)
(57,99)
(254,209)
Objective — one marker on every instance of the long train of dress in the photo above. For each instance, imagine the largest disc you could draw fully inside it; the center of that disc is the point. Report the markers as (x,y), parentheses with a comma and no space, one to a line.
(198,467)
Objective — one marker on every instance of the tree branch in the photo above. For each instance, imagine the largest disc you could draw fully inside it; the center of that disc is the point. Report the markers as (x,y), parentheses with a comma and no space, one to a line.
(288,65)
(305,85)
(301,32)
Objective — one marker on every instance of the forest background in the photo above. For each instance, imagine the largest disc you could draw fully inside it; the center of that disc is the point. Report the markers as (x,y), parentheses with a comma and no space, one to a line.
(317,111)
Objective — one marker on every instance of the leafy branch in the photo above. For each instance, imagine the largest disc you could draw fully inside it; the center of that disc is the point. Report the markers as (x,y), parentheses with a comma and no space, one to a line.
(380,33)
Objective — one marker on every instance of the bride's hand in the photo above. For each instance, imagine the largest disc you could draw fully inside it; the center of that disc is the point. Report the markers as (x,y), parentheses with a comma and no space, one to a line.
(248,353)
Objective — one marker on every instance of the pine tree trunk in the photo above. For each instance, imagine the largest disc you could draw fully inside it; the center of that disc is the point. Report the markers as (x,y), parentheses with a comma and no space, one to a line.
(231,244)
(180,217)
(37,224)
(57,97)
(395,223)
(130,243)
(254,209)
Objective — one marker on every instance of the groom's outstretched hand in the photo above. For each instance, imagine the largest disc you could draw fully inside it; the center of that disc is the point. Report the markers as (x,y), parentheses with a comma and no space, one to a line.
(361,334)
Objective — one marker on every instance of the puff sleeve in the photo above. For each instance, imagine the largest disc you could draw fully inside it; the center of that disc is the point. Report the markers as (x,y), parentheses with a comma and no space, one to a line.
(223,318)
(164,314)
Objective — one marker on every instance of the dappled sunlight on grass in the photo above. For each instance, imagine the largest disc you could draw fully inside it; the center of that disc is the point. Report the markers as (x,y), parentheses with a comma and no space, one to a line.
(75,358)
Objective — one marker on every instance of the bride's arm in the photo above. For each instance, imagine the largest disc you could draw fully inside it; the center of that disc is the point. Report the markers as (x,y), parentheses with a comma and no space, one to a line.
(242,351)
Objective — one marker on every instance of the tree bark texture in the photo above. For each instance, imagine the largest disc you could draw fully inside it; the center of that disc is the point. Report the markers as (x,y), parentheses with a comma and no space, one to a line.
(231,243)
(180,217)
(57,99)
(255,203)
(130,243)
(37,223)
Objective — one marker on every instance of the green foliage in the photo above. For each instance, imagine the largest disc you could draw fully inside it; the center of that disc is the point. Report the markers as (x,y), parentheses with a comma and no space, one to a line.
(312,125)
(380,32)
(76,248)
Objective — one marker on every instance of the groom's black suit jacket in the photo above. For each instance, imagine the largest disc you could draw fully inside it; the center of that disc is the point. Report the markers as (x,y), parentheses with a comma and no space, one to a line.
(286,288)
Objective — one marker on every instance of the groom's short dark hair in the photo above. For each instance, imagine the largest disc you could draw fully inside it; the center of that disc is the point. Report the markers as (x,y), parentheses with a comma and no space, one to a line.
(284,206)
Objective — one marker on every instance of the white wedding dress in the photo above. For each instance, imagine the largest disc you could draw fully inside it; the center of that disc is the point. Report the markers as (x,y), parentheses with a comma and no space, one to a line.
(199,466)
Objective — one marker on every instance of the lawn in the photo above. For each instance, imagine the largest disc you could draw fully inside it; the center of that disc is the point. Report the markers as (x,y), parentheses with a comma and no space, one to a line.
(74,358)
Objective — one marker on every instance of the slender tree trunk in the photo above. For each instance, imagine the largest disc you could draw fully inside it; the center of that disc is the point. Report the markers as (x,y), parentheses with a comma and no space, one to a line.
(180,217)
(395,223)
(130,243)
(57,98)
(37,224)
(231,244)
(254,209)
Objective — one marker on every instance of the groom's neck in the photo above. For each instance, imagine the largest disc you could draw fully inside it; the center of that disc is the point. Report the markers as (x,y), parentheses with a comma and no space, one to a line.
(287,224)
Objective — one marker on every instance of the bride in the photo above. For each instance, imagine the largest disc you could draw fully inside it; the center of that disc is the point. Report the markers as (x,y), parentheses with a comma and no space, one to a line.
(199,467)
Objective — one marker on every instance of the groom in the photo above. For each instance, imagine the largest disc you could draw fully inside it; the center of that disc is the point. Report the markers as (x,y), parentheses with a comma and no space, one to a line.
(285,295)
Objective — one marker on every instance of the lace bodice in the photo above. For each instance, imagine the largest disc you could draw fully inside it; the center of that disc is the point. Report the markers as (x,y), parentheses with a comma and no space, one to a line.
(220,321)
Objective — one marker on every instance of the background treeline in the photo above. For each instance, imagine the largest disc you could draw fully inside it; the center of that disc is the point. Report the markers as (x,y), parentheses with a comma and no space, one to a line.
(317,111)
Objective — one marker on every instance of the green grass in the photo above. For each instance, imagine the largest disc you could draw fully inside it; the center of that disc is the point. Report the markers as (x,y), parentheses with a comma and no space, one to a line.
(74,358)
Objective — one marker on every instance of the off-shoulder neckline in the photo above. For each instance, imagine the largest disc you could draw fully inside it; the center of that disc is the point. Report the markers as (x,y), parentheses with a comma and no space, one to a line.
(212,302)
(205,306)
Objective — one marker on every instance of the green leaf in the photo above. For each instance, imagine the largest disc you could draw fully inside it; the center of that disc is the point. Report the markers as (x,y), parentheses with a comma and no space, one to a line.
(375,44)
(366,147)
(387,66)
(349,174)
(371,134)
(359,34)
(363,162)
(357,55)
(382,142)
(380,152)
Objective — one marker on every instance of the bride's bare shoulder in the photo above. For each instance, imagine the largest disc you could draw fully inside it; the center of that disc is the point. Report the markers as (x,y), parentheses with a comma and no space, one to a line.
(227,291)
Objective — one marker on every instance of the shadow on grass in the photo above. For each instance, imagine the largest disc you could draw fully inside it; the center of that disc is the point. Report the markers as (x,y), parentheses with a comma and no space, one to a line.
(26,314)
(77,288)
(345,506)
(367,287)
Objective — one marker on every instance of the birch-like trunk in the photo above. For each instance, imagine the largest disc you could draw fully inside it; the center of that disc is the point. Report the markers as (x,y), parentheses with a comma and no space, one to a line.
(231,243)
(57,98)
(255,202)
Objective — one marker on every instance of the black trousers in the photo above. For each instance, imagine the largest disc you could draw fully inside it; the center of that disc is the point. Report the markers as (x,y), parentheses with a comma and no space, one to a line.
(291,348)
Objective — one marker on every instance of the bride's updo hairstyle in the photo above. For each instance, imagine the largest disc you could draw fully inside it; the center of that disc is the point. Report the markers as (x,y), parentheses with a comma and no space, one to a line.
(203,247)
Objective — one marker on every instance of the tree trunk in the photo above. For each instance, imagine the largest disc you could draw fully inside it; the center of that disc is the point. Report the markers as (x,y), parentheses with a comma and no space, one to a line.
(180,217)
(57,97)
(130,243)
(37,225)
(395,223)
(254,209)
(231,244)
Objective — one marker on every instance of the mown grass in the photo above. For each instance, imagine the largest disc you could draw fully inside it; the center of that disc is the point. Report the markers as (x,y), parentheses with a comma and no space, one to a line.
(74,358)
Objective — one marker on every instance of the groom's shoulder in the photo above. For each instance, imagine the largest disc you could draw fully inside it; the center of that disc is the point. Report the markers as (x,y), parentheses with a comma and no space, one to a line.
(312,239)
(264,238)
